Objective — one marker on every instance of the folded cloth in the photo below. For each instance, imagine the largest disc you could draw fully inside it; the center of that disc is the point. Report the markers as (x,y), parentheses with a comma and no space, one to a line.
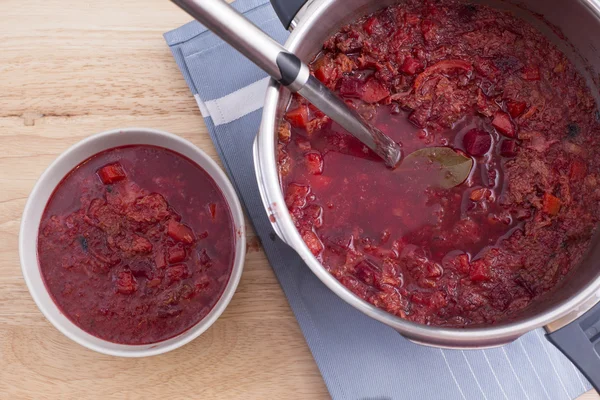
(358,357)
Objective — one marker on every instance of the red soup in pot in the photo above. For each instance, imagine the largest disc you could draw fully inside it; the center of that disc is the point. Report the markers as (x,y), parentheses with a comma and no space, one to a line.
(136,244)
(488,89)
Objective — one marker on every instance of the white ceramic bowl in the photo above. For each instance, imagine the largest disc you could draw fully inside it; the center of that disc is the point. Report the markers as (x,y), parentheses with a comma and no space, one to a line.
(43,190)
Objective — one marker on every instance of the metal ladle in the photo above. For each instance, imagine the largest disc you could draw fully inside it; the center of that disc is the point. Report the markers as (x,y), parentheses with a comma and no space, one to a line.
(287,69)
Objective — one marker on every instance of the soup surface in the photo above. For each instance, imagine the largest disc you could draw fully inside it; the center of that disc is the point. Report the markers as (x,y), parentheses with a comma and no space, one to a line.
(474,85)
(136,244)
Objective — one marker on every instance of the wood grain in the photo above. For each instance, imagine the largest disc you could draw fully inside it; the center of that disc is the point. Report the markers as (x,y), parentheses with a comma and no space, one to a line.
(70,69)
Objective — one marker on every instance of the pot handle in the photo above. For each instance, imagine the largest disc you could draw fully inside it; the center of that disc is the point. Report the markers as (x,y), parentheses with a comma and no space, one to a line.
(580,342)
(286,10)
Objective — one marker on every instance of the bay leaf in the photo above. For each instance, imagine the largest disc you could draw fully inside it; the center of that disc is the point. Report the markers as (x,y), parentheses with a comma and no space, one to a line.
(447,167)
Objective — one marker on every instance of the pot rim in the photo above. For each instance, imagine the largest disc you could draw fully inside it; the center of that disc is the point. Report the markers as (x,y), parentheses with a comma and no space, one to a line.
(273,200)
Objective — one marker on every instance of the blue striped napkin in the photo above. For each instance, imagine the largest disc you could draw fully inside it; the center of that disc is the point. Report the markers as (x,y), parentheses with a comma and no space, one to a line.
(358,357)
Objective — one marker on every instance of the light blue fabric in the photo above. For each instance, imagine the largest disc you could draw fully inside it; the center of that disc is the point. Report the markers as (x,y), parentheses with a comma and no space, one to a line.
(358,357)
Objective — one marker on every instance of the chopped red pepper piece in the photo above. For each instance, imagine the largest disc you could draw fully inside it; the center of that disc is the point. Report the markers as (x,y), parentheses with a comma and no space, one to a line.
(551,204)
(111,173)
(180,232)
(298,117)
(441,67)
(503,124)
(515,108)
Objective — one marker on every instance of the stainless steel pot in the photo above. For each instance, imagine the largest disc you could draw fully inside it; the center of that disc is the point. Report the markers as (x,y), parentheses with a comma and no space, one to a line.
(571,314)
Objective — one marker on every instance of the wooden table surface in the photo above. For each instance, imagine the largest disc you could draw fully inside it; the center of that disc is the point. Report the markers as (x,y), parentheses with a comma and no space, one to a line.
(73,68)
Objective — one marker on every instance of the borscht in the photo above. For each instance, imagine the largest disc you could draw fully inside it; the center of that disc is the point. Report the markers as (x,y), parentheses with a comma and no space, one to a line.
(136,244)
(477,89)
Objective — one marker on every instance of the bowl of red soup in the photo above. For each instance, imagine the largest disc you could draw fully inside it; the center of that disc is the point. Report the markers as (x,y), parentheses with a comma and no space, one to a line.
(132,242)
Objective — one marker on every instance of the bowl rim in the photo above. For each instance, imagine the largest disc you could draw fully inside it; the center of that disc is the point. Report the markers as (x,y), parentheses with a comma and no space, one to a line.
(68,327)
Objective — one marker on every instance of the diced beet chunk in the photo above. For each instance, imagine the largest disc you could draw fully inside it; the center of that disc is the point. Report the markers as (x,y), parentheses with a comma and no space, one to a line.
(411,66)
(477,142)
(374,91)
(516,108)
(437,300)
(141,268)
(508,148)
(111,173)
(180,232)
(578,170)
(351,87)
(126,283)
(176,254)
(298,117)
(370,91)
(296,195)
(463,264)
(159,259)
(480,271)
(503,124)
(314,162)
(140,245)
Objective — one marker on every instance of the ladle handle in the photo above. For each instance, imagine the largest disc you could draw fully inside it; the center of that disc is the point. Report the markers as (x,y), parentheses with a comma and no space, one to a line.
(248,39)
(289,70)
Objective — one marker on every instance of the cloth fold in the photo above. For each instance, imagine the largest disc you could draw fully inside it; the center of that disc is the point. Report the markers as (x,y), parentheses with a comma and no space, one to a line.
(358,357)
